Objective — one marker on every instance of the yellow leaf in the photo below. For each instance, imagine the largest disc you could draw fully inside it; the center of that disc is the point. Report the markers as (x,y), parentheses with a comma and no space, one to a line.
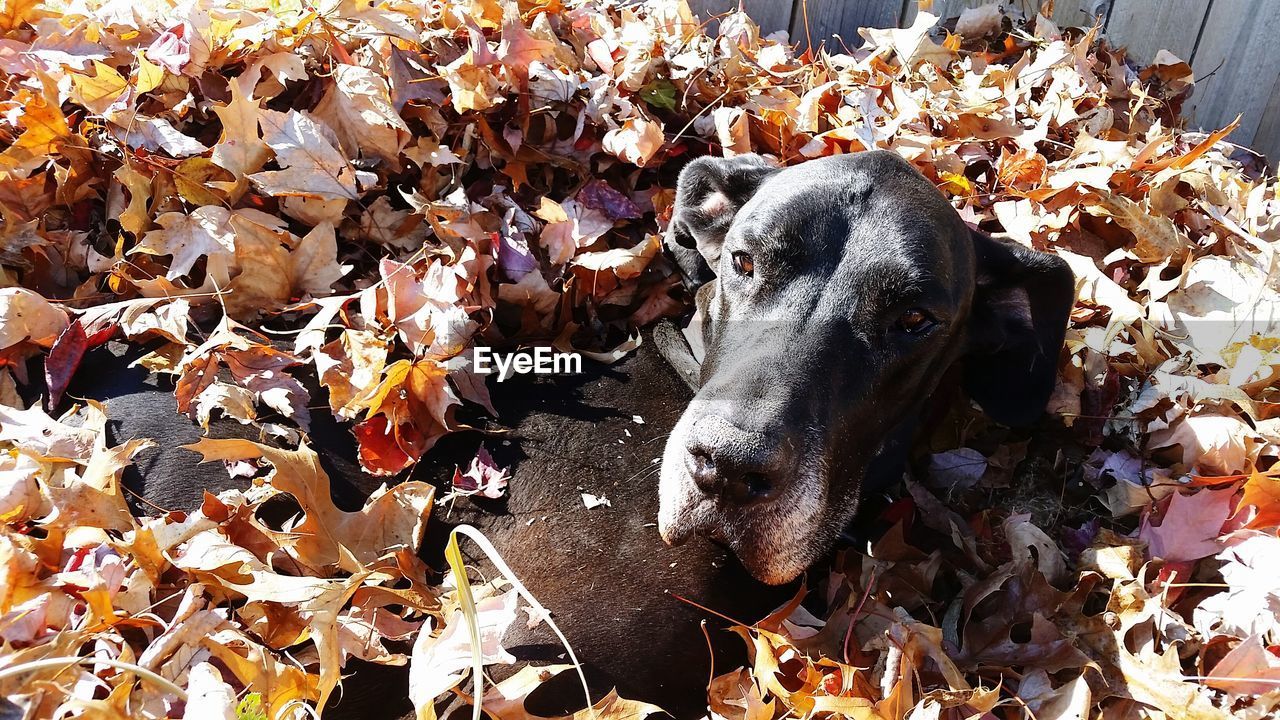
(97,93)
(149,75)
(1157,238)
(14,13)
(193,178)
(45,130)
(135,218)
(97,498)
(956,184)
(26,316)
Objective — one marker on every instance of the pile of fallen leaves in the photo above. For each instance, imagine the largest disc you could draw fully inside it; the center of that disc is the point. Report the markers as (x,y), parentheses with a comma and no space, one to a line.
(389,182)
(1154,594)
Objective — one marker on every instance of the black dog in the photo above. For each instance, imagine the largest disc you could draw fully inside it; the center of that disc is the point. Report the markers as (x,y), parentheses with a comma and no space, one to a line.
(604,573)
(836,294)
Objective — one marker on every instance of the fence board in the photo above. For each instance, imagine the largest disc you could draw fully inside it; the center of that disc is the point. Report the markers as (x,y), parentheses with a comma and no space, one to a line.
(947,9)
(944,9)
(1079,13)
(828,18)
(1267,139)
(1065,12)
(1238,72)
(770,15)
(1146,27)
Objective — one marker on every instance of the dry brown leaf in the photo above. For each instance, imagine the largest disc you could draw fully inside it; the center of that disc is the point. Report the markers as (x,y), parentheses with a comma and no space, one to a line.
(390,520)
(310,166)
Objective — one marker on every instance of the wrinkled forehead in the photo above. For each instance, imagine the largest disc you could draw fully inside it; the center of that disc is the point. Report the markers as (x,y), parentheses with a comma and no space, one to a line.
(835,201)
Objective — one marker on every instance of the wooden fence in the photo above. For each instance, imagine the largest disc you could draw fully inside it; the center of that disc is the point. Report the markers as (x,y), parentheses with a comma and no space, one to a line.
(1231,44)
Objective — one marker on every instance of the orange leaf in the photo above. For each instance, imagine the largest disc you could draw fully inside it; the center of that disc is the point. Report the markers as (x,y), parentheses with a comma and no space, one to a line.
(1263,493)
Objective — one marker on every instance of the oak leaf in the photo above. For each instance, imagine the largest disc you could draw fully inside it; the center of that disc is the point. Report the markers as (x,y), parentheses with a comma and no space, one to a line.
(327,536)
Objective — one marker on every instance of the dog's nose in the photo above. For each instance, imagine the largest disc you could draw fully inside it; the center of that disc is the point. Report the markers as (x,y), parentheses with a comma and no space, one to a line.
(736,467)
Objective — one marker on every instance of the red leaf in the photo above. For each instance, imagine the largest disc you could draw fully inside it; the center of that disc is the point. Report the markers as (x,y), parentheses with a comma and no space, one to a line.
(64,357)
(385,450)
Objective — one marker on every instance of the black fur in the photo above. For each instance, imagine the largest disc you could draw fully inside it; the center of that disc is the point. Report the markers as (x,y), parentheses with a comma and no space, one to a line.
(814,370)
(604,573)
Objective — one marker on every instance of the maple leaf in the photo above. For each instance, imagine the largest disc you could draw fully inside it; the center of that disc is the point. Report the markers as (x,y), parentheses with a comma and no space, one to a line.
(520,48)
(27,317)
(232,400)
(1213,444)
(348,365)
(405,414)
(240,148)
(506,700)
(1262,493)
(637,141)
(310,166)
(912,45)
(1249,604)
(358,108)
(472,85)
(141,319)
(72,437)
(570,227)
(1190,527)
(314,262)
(315,601)
(426,310)
(258,368)
(201,182)
(603,272)
(482,477)
(264,268)
(100,91)
(387,226)
(204,233)
(155,134)
(13,13)
(1157,236)
(45,130)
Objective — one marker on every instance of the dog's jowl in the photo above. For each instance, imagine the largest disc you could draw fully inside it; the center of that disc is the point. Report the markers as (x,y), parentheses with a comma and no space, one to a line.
(835,295)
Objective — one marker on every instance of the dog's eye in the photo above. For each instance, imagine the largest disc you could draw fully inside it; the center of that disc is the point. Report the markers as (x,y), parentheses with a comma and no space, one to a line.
(743,263)
(915,321)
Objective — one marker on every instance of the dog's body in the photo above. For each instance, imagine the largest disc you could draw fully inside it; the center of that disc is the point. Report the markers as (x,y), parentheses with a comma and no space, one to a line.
(836,294)
(603,572)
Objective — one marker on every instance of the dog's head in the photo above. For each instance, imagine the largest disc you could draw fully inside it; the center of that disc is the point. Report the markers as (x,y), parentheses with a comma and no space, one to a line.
(835,295)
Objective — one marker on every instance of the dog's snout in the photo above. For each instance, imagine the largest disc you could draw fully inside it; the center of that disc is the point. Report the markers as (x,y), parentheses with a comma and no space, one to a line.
(735,466)
(703,470)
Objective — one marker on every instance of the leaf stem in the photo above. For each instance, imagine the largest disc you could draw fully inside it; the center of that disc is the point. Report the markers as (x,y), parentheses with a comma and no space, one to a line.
(68,661)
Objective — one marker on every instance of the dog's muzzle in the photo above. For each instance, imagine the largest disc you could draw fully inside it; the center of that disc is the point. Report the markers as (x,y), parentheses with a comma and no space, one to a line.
(744,488)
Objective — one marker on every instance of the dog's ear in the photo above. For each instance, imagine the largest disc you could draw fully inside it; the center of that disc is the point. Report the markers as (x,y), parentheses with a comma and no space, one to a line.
(709,193)
(1021,303)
